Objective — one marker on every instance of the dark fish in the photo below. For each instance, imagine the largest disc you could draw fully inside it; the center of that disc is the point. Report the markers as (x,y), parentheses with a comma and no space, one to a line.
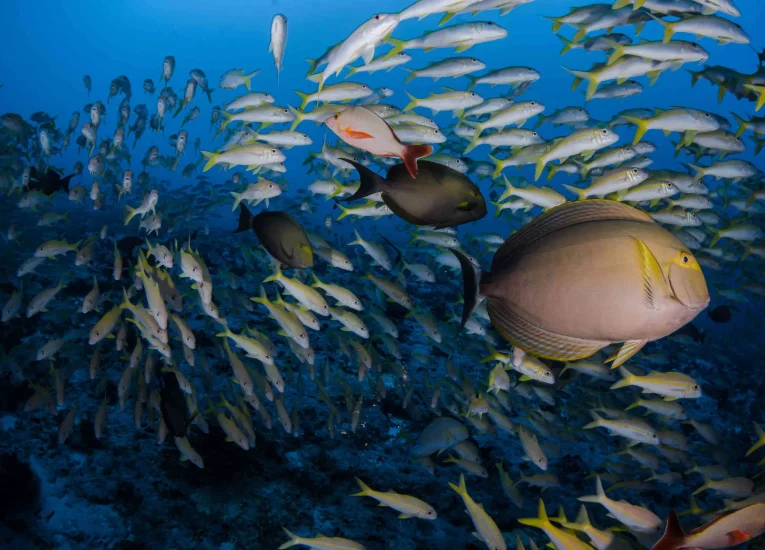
(281,235)
(691,330)
(172,405)
(41,117)
(48,181)
(720,314)
(439,196)
(126,245)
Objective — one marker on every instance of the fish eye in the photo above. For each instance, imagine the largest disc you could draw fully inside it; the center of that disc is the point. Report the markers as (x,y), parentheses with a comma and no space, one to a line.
(707,115)
(685,258)
(273,150)
(285,110)
(377,17)
(604,131)
(533,103)
(634,170)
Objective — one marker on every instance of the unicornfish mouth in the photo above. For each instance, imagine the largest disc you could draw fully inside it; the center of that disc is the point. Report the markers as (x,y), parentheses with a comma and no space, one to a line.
(691,291)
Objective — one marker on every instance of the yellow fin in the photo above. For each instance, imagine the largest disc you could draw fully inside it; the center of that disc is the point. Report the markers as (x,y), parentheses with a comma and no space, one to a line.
(629,349)
(653,277)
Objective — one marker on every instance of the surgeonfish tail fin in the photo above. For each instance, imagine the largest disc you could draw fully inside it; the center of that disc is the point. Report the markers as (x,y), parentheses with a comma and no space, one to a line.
(674,536)
(245,219)
(369,182)
(411,154)
(471,278)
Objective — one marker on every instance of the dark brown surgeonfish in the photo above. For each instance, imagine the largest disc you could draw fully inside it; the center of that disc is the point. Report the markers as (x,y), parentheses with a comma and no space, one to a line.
(585,275)
(439,196)
(48,181)
(172,405)
(280,234)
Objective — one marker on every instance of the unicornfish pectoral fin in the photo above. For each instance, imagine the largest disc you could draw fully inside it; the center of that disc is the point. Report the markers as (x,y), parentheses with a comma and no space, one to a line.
(624,354)
(650,273)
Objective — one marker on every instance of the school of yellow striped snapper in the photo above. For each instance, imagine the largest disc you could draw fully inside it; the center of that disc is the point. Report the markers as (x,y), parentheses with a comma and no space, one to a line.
(127,304)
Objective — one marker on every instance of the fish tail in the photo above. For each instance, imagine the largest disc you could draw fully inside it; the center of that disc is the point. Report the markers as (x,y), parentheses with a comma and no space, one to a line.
(247,80)
(298,117)
(540,521)
(294,539)
(642,128)
(275,276)
(578,77)
(344,211)
(581,194)
(245,219)
(471,277)
(556,24)
(509,190)
(669,29)
(596,422)
(412,75)
(237,200)
(129,214)
(412,103)
(261,298)
(618,52)
(599,495)
(476,135)
(743,124)
(398,46)
(627,379)
(758,91)
(211,159)
(761,439)
(411,154)
(580,33)
(674,536)
(540,166)
(365,489)
(303,99)
(568,45)
(633,406)
(699,171)
(497,166)
(620,4)
(707,485)
(461,490)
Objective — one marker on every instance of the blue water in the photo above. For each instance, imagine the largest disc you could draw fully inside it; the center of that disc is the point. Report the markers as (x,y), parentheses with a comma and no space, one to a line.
(124,491)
